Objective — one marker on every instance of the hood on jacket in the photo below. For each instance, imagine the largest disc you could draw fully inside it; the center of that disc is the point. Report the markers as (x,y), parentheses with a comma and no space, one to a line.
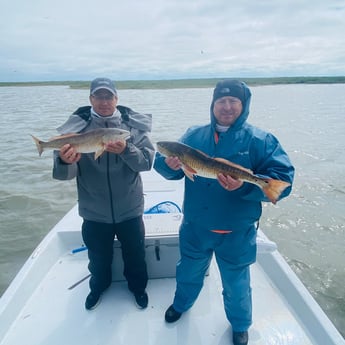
(235,88)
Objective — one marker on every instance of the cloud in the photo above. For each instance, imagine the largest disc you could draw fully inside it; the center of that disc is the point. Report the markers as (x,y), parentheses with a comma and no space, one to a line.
(153,39)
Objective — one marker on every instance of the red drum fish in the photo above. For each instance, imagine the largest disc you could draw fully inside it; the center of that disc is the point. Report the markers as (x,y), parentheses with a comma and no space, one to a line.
(196,162)
(91,141)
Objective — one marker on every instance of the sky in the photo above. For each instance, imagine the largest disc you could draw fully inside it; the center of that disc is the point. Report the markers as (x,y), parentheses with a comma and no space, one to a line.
(49,40)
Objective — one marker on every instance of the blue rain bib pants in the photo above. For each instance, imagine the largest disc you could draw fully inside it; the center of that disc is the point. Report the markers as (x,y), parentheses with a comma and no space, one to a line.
(234,252)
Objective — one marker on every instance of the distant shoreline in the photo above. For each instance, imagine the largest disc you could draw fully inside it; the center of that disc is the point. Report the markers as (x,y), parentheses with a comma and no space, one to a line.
(186,83)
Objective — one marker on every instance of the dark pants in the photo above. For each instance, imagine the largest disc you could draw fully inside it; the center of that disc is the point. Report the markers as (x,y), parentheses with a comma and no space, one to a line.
(99,239)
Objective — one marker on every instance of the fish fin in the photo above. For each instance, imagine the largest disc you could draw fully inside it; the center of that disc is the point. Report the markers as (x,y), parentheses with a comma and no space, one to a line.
(274,188)
(99,152)
(202,153)
(237,166)
(189,172)
(38,144)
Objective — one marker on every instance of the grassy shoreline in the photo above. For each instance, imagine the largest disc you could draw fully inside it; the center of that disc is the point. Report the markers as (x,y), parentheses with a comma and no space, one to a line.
(186,83)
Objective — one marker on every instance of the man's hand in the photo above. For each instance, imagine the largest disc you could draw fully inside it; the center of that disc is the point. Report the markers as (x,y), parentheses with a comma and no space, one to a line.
(228,182)
(173,163)
(68,154)
(117,146)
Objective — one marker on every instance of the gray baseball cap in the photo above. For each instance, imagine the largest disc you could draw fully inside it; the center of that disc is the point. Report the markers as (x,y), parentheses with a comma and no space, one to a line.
(102,83)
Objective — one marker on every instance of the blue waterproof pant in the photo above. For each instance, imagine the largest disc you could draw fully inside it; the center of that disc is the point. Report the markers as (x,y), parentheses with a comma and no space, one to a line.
(234,252)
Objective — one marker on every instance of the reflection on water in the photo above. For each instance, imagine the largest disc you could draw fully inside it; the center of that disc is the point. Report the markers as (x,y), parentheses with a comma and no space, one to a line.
(308,120)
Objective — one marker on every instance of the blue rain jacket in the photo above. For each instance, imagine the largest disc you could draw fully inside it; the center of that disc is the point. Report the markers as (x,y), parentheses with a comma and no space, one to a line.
(206,202)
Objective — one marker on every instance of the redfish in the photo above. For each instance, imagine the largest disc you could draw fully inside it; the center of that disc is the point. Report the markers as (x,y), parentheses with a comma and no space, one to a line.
(196,162)
(91,141)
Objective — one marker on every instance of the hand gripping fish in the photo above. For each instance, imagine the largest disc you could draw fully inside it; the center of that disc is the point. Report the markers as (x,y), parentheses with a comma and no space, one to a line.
(91,141)
(195,162)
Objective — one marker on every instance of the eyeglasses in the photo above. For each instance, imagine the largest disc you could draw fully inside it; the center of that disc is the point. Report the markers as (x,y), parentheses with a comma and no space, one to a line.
(106,98)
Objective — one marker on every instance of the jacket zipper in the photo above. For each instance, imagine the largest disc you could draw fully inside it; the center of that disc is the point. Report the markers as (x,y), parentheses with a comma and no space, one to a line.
(109,184)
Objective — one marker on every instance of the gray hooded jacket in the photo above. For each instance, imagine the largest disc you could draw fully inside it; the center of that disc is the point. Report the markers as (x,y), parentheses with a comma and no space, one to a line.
(110,188)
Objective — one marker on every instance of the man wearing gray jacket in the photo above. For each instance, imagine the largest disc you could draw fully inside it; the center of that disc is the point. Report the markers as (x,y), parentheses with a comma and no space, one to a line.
(110,190)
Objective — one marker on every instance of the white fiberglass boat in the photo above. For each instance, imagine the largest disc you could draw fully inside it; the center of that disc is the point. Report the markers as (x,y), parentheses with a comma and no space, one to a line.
(44,305)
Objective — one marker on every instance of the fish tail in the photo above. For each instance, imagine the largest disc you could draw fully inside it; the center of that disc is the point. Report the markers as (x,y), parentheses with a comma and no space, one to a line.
(38,144)
(274,188)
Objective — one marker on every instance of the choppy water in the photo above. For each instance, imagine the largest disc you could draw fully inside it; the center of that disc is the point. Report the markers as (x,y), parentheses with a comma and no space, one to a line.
(308,119)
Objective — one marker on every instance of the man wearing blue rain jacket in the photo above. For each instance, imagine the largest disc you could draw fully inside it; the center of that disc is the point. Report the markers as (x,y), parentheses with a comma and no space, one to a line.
(221,216)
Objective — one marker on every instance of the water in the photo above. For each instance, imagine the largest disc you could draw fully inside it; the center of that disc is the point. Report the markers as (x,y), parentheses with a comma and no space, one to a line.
(308,120)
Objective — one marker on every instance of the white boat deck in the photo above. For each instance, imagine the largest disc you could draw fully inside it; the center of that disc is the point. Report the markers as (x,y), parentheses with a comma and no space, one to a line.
(54,314)
(41,308)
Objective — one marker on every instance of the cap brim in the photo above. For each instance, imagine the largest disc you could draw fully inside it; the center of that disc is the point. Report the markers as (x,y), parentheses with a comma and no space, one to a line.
(105,88)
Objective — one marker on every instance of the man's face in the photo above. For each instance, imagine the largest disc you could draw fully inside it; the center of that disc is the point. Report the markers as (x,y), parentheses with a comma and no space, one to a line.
(103,102)
(227,109)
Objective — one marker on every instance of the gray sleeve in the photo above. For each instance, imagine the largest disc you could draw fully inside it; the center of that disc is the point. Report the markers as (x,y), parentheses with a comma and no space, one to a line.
(139,153)
(62,170)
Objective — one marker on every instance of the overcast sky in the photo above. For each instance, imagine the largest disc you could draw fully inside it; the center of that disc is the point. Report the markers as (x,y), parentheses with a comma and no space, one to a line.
(163,39)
